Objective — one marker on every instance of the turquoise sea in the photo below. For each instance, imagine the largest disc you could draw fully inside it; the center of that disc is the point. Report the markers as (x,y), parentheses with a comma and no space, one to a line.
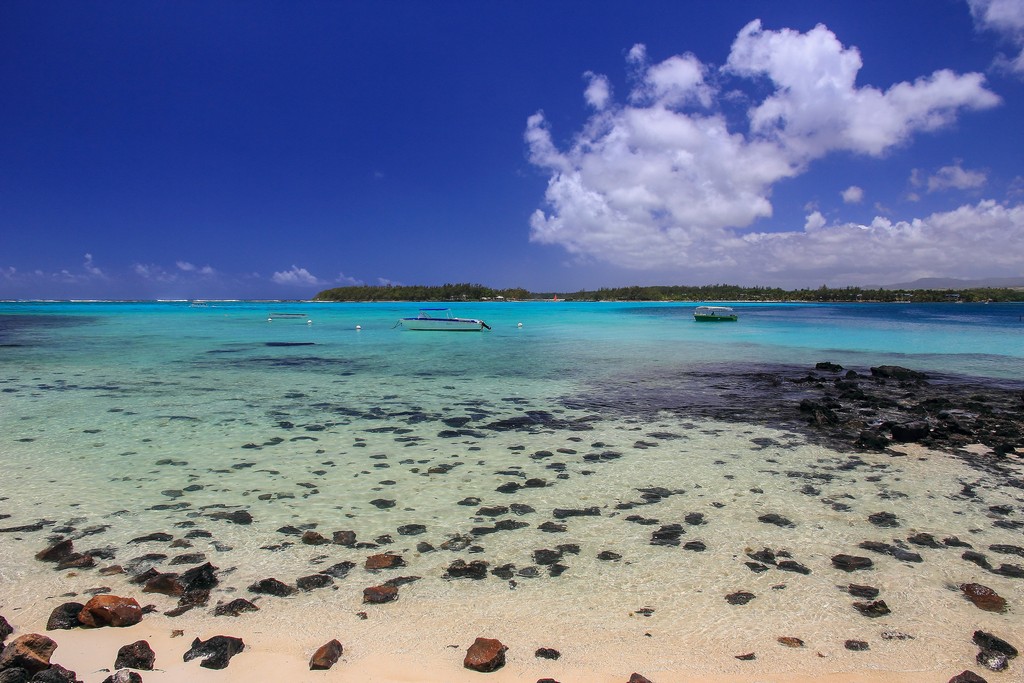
(118,420)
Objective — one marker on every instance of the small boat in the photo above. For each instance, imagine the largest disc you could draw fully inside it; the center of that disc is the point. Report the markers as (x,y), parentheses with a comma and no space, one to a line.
(441,319)
(714,314)
(271,317)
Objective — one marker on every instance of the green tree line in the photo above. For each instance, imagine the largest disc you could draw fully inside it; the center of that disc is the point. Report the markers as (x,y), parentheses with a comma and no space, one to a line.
(475,292)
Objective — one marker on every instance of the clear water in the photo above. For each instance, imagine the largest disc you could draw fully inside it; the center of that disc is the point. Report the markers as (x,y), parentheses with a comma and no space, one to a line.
(148,417)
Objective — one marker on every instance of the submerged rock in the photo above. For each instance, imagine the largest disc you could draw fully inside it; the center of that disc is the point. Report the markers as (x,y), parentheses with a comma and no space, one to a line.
(983,597)
(849,563)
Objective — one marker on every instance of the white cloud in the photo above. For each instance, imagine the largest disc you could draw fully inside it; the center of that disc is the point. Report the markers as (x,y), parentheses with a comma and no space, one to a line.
(192,268)
(598,90)
(853,195)
(296,276)
(91,268)
(345,280)
(1005,17)
(946,243)
(956,178)
(662,182)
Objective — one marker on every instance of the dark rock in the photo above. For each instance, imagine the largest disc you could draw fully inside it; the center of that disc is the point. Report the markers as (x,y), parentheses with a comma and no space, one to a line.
(552,527)
(311,537)
(977,558)
(485,655)
(739,598)
(377,595)
(199,578)
(849,563)
(384,561)
(992,660)
(137,655)
(56,674)
(155,537)
(346,538)
(765,556)
(216,652)
(509,487)
(234,608)
(459,569)
(872,440)
(339,570)
(987,641)
(236,517)
(897,372)
(667,535)
(856,645)
(1014,571)
(314,581)
(547,653)
(637,678)
(884,519)
(411,529)
(271,586)
(874,609)
(748,657)
(382,503)
(608,556)
(828,366)
(64,617)
(563,513)
(859,591)
(124,676)
(910,432)
(695,546)
(924,540)
(967,677)
(793,566)
(326,656)
(983,597)
(777,520)
(546,557)
(56,552)
(110,610)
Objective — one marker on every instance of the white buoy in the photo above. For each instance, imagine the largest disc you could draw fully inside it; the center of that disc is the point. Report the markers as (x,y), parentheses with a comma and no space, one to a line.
(519,325)
(309,322)
(358,327)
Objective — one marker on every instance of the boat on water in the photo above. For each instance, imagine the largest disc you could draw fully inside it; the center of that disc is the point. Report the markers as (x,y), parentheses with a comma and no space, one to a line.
(714,314)
(442,320)
(271,317)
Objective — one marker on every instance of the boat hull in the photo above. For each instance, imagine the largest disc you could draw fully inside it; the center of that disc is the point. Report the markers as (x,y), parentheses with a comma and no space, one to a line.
(443,324)
(715,318)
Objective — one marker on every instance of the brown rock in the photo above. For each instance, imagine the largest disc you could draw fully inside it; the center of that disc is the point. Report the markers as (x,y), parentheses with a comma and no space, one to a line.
(485,655)
(967,677)
(326,657)
(311,537)
(5,630)
(376,595)
(166,584)
(790,641)
(637,678)
(56,552)
(983,597)
(110,610)
(384,561)
(30,652)
(344,538)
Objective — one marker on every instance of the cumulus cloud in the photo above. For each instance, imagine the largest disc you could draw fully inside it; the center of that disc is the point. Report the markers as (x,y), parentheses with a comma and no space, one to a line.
(91,268)
(296,276)
(852,195)
(1005,17)
(945,243)
(956,178)
(192,268)
(662,180)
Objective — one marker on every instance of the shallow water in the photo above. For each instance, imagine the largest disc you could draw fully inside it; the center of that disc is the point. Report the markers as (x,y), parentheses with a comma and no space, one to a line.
(120,420)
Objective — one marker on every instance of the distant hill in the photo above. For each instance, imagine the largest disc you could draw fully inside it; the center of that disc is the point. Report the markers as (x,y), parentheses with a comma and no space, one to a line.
(953,283)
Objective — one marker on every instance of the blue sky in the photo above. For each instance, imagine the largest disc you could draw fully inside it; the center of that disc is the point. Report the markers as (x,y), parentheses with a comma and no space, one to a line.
(273,149)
